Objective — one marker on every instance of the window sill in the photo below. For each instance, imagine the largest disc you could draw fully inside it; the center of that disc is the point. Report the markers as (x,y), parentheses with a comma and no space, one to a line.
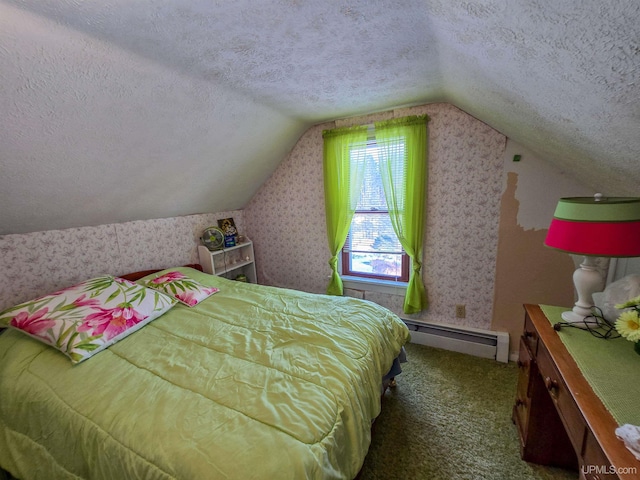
(373,285)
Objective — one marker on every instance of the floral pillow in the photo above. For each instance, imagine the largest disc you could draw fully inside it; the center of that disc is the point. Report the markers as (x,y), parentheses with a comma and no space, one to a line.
(181,287)
(84,319)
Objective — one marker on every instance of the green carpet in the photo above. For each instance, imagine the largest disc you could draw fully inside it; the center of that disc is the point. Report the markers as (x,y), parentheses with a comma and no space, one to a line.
(449,418)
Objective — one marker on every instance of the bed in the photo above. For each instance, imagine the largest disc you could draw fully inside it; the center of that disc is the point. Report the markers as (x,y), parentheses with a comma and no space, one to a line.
(250,382)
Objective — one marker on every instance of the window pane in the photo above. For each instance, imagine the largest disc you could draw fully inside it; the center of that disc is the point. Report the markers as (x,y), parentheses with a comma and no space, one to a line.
(377,264)
(372,193)
(372,232)
(394,152)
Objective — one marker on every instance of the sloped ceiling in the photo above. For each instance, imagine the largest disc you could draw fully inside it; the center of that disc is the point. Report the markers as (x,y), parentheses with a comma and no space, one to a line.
(117,110)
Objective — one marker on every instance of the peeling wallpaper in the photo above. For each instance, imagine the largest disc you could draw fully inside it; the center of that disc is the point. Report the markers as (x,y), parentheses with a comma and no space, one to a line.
(285,219)
(536,213)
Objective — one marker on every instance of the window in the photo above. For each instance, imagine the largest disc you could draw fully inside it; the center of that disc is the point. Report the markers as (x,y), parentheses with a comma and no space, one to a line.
(372,249)
(397,166)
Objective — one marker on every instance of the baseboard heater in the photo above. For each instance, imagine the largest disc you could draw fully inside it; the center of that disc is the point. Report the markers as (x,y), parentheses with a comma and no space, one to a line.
(472,341)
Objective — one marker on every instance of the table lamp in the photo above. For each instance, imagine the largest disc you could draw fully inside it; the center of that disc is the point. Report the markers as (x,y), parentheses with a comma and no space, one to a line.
(594,227)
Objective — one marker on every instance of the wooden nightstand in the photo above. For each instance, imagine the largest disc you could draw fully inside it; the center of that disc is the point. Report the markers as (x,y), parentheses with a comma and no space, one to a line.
(560,420)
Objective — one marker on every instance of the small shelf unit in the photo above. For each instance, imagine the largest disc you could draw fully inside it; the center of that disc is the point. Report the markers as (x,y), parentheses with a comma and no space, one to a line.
(230,262)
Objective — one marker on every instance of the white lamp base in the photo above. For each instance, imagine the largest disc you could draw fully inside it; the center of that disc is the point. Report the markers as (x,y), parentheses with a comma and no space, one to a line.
(575,319)
(587,281)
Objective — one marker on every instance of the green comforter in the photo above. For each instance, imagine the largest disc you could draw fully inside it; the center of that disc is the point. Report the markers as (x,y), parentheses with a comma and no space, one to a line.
(254,383)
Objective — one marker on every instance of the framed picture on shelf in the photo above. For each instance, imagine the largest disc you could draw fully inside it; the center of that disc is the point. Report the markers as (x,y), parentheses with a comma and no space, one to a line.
(228,227)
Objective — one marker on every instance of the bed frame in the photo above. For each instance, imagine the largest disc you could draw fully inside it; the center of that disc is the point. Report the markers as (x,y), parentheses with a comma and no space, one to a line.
(143,273)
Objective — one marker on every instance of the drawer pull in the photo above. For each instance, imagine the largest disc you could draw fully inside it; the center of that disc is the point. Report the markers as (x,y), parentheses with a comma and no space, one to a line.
(552,385)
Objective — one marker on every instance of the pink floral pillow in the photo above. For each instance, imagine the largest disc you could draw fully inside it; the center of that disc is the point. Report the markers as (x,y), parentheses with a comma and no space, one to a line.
(181,287)
(84,319)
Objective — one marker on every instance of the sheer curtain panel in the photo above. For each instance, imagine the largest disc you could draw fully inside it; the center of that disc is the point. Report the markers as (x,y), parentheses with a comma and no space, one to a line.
(343,172)
(402,144)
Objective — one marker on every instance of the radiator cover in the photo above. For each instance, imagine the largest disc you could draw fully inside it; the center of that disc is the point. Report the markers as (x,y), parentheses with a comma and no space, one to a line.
(472,341)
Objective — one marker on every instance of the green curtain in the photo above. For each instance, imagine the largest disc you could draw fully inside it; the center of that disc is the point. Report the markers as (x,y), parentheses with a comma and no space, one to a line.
(343,165)
(404,178)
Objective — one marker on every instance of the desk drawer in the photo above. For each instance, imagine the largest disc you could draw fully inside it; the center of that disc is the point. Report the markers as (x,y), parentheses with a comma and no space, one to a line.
(595,465)
(525,362)
(572,419)
(530,335)
(521,407)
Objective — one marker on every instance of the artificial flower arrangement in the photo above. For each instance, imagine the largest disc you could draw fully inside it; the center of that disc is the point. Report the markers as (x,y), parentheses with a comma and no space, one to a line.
(628,323)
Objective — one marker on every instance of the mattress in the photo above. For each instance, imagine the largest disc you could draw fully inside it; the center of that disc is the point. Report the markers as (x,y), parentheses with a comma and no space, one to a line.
(255,382)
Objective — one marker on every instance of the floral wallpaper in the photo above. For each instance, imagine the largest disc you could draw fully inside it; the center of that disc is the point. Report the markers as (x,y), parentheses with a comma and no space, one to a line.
(286,220)
(38,263)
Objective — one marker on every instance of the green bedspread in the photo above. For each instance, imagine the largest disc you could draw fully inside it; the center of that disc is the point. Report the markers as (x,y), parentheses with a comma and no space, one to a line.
(253,383)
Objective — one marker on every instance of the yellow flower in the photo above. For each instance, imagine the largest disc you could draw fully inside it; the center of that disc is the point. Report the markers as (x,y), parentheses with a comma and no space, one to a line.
(628,325)
(629,303)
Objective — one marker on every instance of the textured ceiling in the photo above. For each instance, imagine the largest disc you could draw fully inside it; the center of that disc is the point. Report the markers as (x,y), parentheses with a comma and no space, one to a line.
(117,110)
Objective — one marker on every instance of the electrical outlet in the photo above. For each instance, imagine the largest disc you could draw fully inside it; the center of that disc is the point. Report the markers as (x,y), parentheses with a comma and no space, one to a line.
(461,311)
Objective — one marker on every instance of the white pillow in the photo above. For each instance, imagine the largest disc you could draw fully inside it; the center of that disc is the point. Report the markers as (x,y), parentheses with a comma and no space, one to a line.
(616,293)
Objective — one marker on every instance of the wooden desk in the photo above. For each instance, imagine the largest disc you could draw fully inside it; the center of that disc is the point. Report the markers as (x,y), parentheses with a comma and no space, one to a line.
(560,419)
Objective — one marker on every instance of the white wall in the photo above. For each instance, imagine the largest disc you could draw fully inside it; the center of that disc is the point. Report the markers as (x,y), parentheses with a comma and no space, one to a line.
(540,186)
